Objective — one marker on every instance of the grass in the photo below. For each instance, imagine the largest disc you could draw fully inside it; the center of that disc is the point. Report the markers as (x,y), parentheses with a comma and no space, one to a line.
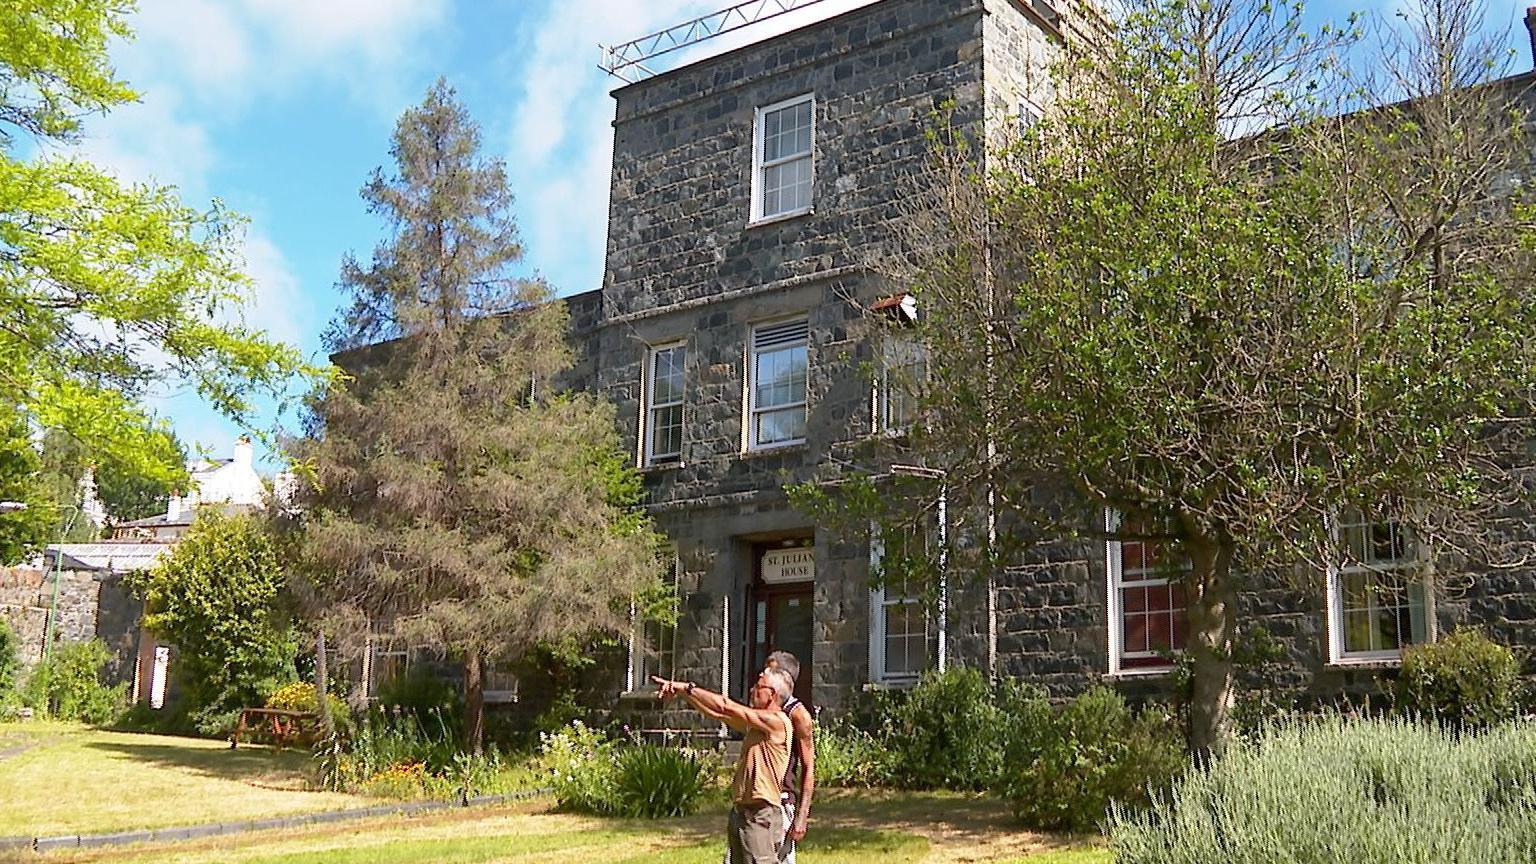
(77,780)
(850,828)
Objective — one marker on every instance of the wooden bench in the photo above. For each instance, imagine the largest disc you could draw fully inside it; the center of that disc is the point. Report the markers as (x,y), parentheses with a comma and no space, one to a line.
(282,727)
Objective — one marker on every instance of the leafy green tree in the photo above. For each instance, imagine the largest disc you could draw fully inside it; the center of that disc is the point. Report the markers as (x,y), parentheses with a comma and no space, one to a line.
(108,289)
(459,501)
(128,495)
(219,599)
(1231,338)
(124,494)
(22,532)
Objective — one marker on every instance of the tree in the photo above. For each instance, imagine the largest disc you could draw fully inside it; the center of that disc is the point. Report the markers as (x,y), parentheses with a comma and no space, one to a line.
(108,289)
(459,501)
(1229,294)
(124,494)
(22,532)
(218,597)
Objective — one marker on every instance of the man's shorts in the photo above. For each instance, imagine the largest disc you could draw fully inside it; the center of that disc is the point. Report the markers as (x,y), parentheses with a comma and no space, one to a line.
(786,845)
(754,834)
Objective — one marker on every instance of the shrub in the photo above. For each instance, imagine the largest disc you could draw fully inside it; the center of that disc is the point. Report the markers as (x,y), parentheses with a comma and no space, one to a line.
(218,598)
(10,664)
(950,731)
(582,767)
(67,684)
(1465,679)
(656,782)
(400,737)
(591,774)
(1338,790)
(404,781)
(300,696)
(1068,764)
(423,693)
(848,756)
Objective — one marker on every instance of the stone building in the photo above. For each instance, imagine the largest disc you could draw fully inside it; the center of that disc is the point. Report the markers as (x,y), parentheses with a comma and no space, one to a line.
(749,191)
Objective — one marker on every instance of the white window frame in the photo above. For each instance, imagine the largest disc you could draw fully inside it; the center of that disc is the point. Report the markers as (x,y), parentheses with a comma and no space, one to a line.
(649,407)
(378,652)
(1114,570)
(885,383)
(754,411)
(1027,115)
(645,660)
(500,673)
(1409,569)
(880,602)
(760,166)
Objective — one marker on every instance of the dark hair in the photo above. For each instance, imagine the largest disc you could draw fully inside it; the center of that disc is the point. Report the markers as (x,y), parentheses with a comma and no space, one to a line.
(786,661)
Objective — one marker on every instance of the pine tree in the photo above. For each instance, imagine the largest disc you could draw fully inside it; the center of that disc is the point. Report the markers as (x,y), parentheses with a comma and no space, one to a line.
(460,501)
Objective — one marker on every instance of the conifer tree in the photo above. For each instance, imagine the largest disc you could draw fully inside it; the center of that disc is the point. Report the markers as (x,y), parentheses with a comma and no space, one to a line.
(460,501)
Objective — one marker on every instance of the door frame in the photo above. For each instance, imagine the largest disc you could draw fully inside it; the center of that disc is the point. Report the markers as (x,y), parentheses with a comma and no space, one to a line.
(760,592)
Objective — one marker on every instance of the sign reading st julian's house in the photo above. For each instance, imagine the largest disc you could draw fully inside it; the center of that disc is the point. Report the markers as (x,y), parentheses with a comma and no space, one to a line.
(789,565)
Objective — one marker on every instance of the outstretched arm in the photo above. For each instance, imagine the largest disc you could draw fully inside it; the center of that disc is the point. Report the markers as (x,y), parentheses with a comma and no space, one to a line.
(805,746)
(719,707)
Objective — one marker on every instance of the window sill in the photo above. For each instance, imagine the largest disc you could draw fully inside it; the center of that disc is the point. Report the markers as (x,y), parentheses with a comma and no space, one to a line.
(1365,663)
(774,449)
(661,467)
(782,217)
(1146,672)
(500,697)
(640,695)
(877,686)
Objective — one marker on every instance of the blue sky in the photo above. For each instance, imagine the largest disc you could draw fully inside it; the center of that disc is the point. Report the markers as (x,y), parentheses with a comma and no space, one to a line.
(282,108)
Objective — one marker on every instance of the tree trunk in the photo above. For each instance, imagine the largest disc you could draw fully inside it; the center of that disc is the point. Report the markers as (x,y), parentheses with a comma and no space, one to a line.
(323,686)
(1211,610)
(474,703)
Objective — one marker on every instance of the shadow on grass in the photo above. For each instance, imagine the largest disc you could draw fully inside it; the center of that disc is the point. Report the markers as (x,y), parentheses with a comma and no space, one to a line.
(246,764)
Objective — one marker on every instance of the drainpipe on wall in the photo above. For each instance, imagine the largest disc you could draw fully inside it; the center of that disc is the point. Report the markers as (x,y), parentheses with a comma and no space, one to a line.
(943,577)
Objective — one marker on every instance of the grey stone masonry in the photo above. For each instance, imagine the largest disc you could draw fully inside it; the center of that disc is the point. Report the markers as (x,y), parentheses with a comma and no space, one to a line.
(687,263)
(91,605)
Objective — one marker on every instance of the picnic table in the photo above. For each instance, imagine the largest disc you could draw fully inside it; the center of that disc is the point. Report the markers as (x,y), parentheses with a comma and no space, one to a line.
(282,726)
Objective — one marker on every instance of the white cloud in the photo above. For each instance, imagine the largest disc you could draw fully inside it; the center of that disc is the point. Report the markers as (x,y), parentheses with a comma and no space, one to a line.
(276,303)
(562,137)
(222,53)
(153,142)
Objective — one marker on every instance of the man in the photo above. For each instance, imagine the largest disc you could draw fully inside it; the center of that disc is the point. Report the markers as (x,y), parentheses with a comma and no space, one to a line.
(800,781)
(755,829)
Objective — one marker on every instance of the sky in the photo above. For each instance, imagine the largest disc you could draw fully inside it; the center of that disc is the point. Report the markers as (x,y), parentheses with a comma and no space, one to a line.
(281,109)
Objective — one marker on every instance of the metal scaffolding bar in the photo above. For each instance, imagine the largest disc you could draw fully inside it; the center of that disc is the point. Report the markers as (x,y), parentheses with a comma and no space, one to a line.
(626,61)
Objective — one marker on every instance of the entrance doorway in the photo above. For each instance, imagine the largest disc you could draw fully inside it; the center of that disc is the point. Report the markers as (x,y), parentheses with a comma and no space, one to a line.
(783,611)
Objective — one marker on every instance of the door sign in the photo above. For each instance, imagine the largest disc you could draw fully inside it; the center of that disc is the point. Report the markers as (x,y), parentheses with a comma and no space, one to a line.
(789,565)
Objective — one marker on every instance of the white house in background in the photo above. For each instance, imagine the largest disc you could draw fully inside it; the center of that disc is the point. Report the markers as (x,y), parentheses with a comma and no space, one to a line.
(100,607)
(230,483)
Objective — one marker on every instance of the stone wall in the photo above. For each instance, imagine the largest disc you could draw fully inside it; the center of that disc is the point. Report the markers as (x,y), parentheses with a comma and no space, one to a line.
(26,595)
(686,263)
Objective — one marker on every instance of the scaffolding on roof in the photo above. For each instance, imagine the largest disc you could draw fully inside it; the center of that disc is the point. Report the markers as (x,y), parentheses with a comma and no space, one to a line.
(626,61)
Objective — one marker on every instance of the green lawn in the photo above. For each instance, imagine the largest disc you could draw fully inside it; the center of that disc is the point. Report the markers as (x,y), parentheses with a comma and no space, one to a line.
(77,780)
(528,833)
